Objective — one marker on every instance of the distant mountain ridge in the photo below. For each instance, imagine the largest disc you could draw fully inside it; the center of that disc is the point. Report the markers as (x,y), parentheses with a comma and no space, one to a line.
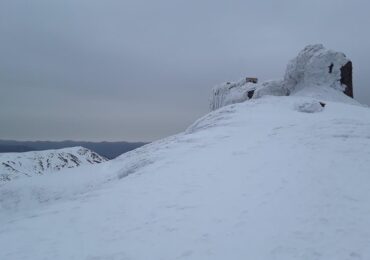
(16,165)
(109,150)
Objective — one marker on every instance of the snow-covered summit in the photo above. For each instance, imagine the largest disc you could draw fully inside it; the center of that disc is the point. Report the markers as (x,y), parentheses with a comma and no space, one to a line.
(16,165)
(315,70)
(278,177)
(273,178)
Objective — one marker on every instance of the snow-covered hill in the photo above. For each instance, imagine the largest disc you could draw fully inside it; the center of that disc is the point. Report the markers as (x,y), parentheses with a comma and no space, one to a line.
(276,177)
(15,165)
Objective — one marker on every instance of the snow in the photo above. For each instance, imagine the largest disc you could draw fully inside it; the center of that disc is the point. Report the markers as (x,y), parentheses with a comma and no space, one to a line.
(283,175)
(253,180)
(231,93)
(315,68)
(312,106)
(325,93)
(273,87)
(27,164)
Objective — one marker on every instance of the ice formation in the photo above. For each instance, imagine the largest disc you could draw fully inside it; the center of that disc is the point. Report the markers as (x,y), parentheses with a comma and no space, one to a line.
(231,92)
(314,67)
(273,88)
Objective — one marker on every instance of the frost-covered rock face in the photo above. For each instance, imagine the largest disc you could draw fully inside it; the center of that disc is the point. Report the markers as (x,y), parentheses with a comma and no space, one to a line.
(273,88)
(230,93)
(315,66)
(315,69)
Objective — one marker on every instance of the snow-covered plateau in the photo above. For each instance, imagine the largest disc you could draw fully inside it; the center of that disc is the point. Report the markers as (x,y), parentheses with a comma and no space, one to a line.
(27,164)
(274,177)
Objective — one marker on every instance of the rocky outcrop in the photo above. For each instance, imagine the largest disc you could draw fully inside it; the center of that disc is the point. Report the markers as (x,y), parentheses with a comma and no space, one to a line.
(315,68)
(346,78)
(231,92)
(272,87)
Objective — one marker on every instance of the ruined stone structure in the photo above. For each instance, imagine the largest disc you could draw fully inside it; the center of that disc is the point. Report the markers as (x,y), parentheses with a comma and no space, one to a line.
(346,78)
(315,69)
(251,80)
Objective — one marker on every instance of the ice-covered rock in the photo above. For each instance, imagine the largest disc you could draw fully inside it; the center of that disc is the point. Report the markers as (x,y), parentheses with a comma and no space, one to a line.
(315,68)
(273,88)
(231,93)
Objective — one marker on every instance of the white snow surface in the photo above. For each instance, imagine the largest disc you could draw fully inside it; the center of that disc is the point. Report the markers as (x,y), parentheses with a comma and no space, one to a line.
(254,180)
(311,106)
(28,164)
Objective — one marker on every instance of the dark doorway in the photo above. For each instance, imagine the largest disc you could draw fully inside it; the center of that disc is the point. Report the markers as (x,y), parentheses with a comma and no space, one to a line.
(346,78)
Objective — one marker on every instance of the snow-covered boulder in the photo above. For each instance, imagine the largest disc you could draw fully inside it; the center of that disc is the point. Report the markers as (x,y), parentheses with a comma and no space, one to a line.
(312,106)
(231,93)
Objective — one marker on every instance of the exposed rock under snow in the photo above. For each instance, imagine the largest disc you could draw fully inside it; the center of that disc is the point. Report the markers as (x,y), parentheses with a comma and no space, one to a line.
(273,88)
(16,165)
(314,67)
(311,106)
(231,93)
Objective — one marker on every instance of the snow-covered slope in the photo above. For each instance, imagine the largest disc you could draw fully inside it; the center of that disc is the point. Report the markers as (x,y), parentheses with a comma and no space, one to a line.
(255,180)
(15,165)
(278,177)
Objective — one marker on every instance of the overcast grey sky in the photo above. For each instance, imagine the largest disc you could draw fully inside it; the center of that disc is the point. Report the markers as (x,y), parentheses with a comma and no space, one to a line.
(141,70)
